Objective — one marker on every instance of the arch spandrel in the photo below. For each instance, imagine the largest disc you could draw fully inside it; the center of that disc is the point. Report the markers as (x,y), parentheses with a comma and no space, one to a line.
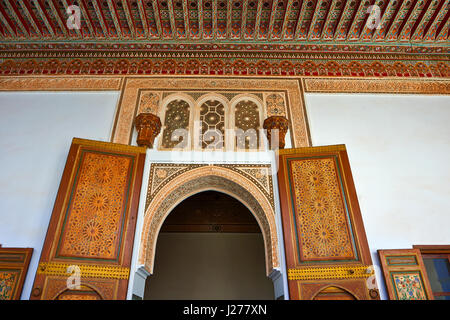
(202,179)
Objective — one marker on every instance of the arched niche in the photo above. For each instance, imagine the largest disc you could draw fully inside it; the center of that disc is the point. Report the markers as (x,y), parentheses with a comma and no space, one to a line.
(258,104)
(173,98)
(203,179)
(333,292)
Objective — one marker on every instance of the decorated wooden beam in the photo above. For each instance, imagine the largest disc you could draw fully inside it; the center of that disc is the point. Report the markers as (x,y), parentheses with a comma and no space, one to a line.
(87,18)
(130,20)
(115,18)
(187,21)
(258,20)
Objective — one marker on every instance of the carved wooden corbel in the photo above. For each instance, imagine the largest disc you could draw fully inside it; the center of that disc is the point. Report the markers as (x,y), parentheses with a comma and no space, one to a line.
(148,127)
(276,125)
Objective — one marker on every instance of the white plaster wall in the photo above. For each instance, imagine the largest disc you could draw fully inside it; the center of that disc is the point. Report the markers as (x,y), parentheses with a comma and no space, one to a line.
(399,151)
(36,130)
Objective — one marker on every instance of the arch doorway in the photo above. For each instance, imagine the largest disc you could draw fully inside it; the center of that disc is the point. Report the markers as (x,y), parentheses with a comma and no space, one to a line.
(209,247)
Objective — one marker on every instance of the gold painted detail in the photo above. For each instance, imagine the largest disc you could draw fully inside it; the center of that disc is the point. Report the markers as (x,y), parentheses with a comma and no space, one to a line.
(308,150)
(86,271)
(347,272)
(109,145)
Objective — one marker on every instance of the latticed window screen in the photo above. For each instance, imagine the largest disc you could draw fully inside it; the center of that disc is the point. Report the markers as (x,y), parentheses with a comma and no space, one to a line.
(247,125)
(212,118)
(176,118)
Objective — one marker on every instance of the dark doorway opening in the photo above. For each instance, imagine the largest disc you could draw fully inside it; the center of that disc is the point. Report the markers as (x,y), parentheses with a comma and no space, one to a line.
(210,247)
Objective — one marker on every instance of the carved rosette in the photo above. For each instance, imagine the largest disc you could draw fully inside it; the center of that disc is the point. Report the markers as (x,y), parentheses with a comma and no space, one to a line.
(274,124)
(148,127)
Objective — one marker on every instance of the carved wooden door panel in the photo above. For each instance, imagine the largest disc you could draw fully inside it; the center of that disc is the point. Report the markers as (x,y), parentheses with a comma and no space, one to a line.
(327,254)
(405,275)
(92,226)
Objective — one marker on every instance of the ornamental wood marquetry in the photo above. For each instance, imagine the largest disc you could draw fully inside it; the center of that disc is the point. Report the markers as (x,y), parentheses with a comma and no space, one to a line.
(405,275)
(92,224)
(327,254)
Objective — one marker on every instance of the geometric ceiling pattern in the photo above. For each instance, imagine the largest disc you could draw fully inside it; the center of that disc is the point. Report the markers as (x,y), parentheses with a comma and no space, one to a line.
(340,21)
(223,35)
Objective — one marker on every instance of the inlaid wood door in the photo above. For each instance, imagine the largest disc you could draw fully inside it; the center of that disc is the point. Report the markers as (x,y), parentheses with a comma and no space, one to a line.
(327,254)
(91,231)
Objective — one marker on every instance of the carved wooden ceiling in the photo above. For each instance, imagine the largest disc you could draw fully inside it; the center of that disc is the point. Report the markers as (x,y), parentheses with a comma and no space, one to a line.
(411,31)
(233,21)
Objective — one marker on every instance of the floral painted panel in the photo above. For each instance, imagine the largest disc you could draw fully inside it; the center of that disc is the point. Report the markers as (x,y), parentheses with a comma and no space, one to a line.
(408,286)
(8,283)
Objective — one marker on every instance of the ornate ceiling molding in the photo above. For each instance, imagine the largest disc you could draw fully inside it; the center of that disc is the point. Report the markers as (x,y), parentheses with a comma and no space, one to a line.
(229,67)
(218,29)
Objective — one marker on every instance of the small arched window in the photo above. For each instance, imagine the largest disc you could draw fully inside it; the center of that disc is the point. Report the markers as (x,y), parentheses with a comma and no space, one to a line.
(247,125)
(176,125)
(212,122)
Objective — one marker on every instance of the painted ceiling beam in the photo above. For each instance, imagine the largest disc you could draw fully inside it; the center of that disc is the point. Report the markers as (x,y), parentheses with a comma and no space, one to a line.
(427,21)
(87,18)
(66,5)
(408,19)
(439,21)
(58,18)
(358,13)
(18,17)
(2,30)
(316,12)
(273,13)
(45,17)
(215,30)
(173,25)
(229,17)
(435,19)
(386,21)
(101,18)
(7,22)
(144,21)
(186,19)
(322,26)
(115,17)
(244,18)
(341,22)
(258,20)
(443,34)
(157,15)
(399,16)
(443,30)
(317,17)
(287,14)
(127,9)
(200,18)
(300,20)
(366,33)
(328,20)
(32,17)
(421,20)
(314,18)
